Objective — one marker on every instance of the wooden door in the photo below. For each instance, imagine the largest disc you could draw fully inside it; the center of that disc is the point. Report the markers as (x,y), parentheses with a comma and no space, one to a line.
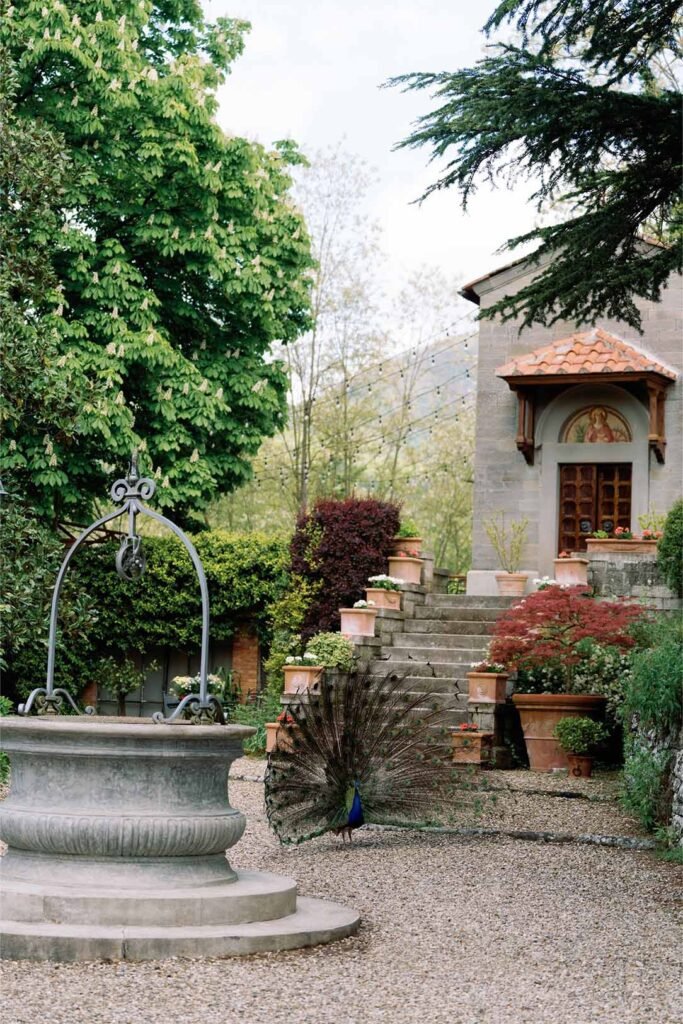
(592,497)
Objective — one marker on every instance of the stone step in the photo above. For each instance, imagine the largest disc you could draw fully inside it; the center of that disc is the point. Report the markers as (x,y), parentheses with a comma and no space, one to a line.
(441,668)
(469,601)
(451,688)
(420,642)
(439,699)
(253,896)
(459,614)
(457,627)
(314,921)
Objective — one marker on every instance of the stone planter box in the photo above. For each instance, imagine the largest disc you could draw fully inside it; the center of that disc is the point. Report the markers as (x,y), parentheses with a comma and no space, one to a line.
(358,621)
(389,599)
(407,569)
(471,748)
(571,571)
(302,678)
(485,687)
(611,545)
(407,545)
(539,714)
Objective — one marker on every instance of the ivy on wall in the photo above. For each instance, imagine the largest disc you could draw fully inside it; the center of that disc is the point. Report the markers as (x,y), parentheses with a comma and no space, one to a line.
(246,575)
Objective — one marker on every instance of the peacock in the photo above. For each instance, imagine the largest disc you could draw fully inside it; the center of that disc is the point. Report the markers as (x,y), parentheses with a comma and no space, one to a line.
(362,750)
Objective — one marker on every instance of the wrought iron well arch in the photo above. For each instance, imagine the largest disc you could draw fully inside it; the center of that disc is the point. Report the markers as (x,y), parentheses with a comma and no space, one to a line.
(130,564)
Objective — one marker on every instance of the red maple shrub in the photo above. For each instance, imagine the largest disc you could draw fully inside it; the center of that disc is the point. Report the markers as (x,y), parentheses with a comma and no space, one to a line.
(338,544)
(549,634)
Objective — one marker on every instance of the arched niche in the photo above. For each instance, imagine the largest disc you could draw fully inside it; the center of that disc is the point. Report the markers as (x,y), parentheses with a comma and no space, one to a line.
(552,428)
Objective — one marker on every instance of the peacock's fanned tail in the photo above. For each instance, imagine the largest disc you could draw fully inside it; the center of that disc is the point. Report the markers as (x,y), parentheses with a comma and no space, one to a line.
(360,729)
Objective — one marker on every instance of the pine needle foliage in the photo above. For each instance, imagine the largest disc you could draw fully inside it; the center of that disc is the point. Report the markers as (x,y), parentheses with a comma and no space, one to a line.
(588,108)
(362,729)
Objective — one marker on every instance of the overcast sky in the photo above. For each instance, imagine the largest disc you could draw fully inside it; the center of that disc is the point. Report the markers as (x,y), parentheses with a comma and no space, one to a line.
(311,71)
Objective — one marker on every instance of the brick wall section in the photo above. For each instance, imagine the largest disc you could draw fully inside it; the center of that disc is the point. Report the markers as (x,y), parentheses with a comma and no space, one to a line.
(246,661)
(503,480)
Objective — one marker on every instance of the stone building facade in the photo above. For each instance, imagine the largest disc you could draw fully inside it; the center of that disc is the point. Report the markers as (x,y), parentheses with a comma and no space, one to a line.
(578,429)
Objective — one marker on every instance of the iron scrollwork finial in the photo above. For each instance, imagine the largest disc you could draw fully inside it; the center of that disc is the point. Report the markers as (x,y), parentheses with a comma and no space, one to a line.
(131,491)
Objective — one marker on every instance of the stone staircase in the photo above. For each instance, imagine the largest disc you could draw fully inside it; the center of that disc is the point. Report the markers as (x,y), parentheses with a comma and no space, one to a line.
(433,643)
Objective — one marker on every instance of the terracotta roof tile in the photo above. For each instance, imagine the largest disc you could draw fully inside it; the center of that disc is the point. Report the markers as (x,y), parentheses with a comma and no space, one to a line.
(594,351)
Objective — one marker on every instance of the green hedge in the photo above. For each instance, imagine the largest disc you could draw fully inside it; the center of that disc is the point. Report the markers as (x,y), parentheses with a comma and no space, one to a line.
(670,549)
(653,716)
(246,575)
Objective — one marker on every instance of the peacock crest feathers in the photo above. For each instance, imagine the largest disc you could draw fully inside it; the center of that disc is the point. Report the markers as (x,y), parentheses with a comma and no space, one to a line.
(361,750)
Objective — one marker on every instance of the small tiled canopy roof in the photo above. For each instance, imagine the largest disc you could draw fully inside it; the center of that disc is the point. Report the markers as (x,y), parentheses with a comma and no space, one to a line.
(582,354)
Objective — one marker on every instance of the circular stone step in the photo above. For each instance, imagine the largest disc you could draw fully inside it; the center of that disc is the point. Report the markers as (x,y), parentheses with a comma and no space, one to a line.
(255,896)
(314,921)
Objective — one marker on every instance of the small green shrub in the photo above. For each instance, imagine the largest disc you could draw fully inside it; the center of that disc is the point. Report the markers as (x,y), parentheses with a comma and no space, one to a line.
(6,708)
(579,735)
(654,696)
(507,540)
(331,650)
(407,529)
(670,549)
(647,792)
(652,715)
(264,709)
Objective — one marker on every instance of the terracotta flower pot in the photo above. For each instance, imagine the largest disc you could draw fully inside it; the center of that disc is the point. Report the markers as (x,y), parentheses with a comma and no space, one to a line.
(571,571)
(302,678)
(279,738)
(471,747)
(358,621)
(409,545)
(486,687)
(511,584)
(610,545)
(580,766)
(540,713)
(390,599)
(407,569)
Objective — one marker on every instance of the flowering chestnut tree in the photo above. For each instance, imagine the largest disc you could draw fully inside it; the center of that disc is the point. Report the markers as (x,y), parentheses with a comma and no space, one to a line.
(177,252)
(549,633)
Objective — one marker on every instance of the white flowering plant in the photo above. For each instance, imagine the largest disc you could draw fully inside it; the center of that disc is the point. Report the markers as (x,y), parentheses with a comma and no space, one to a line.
(384,582)
(363,604)
(544,582)
(307,658)
(221,685)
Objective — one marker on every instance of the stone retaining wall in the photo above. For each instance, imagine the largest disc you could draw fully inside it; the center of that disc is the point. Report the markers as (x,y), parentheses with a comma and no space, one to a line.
(612,574)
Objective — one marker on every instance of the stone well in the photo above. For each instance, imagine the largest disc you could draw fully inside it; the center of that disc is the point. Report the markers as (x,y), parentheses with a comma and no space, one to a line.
(117,831)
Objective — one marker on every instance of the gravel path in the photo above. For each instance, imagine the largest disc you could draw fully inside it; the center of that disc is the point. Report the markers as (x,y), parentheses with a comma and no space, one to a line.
(455,931)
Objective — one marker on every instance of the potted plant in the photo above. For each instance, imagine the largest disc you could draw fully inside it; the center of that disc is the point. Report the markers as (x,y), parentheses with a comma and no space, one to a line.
(407,539)
(571,570)
(359,620)
(281,734)
(332,650)
(487,682)
(547,639)
(384,592)
(578,737)
(407,568)
(470,746)
(508,543)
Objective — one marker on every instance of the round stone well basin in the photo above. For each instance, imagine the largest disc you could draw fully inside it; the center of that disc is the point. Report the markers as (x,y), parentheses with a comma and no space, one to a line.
(117,831)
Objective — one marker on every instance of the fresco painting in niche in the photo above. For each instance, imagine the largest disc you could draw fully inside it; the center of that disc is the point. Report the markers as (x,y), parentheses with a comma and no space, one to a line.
(596,424)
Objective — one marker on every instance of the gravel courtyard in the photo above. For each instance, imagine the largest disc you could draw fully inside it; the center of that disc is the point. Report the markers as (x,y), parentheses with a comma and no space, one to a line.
(456,930)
